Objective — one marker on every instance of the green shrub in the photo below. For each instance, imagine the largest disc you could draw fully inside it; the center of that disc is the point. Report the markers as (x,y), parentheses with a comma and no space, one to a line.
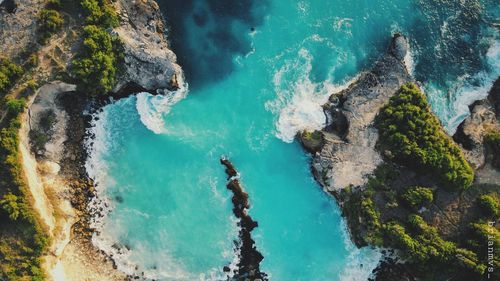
(22,239)
(489,205)
(422,245)
(414,135)
(32,61)
(100,13)
(15,106)
(95,68)
(417,196)
(9,73)
(10,205)
(50,22)
(492,141)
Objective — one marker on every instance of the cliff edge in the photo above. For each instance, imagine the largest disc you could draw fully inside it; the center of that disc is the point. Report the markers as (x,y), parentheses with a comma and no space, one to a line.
(346,154)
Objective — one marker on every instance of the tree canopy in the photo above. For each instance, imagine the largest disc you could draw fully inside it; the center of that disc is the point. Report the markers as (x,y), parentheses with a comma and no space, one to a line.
(414,137)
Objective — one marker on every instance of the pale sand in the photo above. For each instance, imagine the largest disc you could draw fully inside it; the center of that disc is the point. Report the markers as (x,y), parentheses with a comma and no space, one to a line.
(70,257)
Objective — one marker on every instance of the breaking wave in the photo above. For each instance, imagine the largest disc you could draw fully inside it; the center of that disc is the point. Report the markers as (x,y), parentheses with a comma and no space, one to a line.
(153,108)
(299,100)
(453,107)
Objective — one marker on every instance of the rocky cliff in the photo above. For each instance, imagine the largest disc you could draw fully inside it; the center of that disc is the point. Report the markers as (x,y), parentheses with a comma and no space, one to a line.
(149,63)
(346,154)
(484,120)
(18,26)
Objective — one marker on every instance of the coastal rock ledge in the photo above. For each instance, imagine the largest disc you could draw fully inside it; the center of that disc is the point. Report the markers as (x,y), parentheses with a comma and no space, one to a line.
(346,154)
(149,63)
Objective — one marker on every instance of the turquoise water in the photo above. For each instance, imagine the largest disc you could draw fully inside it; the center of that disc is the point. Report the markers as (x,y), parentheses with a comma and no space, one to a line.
(258,71)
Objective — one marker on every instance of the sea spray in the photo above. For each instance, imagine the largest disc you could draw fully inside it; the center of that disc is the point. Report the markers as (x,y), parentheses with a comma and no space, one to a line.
(299,100)
(452,107)
(360,262)
(153,108)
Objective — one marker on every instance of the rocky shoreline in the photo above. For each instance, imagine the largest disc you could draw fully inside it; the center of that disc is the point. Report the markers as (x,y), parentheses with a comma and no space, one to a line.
(344,151)
(346,161)
(248,267)
(57,123)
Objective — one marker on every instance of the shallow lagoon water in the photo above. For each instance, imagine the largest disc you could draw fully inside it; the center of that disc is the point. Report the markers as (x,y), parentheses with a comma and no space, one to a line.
(258,71)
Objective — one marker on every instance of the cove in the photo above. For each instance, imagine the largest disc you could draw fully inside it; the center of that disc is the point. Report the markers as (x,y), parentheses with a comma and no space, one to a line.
(258,72)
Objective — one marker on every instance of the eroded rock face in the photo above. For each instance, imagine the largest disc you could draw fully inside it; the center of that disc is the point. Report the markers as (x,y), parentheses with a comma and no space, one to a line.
(349,155)
(483,120)
(471,132)
(18,26)
(149,62)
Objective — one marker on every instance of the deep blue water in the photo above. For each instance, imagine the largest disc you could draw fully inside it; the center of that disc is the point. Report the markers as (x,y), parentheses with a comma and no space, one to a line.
(258,71)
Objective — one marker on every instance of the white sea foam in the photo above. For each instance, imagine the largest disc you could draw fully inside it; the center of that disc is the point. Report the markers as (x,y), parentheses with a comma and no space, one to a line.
(453,107)
(409,61)
(360,262)
(153,108)
(299,100)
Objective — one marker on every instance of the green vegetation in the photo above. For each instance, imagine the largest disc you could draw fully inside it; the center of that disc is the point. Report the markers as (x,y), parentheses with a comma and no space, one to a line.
(39,137)
(22,238)
(359,206)
(100,13)
(9,73)
(422,245)
(492,141)
(384,213)
(418,197)
(95,68)
(489,205)
(50,22)
(360,209)
(414,136)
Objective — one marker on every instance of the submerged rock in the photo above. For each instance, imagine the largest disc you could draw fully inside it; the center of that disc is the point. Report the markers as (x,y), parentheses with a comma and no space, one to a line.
(248,267)
(348,153)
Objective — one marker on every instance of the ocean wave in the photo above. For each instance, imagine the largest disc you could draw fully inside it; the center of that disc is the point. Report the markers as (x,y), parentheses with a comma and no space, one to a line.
(299,100)
(360,262)
(453,107)
(153,108)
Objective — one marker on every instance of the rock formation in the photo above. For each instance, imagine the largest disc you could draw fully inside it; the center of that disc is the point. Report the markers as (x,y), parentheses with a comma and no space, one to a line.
(348,153)
(149,63)
(484,119)
(18,27)
(249,258)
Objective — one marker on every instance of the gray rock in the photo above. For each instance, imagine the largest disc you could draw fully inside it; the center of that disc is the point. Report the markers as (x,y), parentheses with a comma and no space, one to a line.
(348,155)
(149,62)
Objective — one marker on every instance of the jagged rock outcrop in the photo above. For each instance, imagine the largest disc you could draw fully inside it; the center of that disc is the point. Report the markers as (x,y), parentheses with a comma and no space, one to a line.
(248,267)
(18,27)
(149,63)
(348,154)
(483,120)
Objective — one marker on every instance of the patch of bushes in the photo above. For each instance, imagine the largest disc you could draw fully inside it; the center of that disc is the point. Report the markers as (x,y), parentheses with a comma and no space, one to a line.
(489,205)
(414,135)
(50,22)
(418,197)
(23,239)
(100,13)
(95,68)
(363,216)
(32,61)
(9,73)
(422,245)
(492,141)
